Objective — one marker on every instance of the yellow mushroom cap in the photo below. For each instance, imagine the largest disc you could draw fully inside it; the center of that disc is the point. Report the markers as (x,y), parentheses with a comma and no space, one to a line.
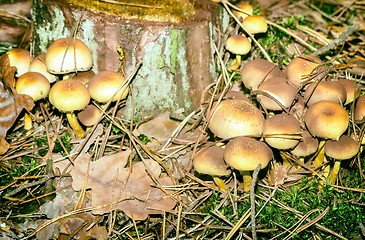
(104,85)
(255,24)
(68,95)
(236,117)
(254,72)
(246,10)
(282,124)
(67,55)
(209,160)
(326,119)
(245,153)
(238,44)
(38,64)
(33,84)
(344,148)
(19,58)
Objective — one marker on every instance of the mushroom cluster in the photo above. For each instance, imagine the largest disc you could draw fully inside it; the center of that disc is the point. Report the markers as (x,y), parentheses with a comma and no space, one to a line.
(300,113)
(64,75)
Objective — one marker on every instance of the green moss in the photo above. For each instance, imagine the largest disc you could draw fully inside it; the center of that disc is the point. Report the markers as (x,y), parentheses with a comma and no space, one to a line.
(151,10)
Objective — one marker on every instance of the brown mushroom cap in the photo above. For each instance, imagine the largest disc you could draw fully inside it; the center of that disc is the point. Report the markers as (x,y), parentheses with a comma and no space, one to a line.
(245,153)
(19,58)
(326,119)
(301,67)
(89,116)
(254,72)
(279,89)
(324,91)
(67,55)
(307,146)
(68,95)
(246,10)
(210,161)
(350,89)
(282,124)
(238,44)
(83,77)
(33,84)
(236,117)
(104,86)
(255,24)
(359,112)
(345,148)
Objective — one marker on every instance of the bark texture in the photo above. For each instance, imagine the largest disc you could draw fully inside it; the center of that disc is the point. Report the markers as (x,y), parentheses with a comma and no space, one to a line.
(176,56)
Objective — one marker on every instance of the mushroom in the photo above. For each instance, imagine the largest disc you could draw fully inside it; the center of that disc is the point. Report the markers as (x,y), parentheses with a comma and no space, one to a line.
(276,94)
(38,64)
(238,45)
(245,154)
(255,24)
(108,85)
(34,85)
(307,146)
(19,58)
(245,9)
(90,115)
(324,91)
(209,160)
(303,69)
(326,120)
(83,77)
(281,131)
(69,96)
(350,88)
(236,117)
(343,149)
(254,72)
(66,55)
(359,112)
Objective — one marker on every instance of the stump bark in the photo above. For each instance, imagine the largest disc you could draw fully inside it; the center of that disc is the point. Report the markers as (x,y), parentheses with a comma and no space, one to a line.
(173,41)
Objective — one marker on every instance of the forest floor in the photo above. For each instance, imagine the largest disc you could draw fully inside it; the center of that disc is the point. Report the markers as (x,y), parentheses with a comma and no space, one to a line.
(52,186)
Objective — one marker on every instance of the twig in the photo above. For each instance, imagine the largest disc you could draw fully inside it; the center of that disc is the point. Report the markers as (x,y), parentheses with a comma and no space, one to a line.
(28,185)
(252,199)
(341,39)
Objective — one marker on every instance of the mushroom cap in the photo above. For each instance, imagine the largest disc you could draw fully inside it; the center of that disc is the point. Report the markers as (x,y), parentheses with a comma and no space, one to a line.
(326,119)
(38,64)
(238,44)
(105,84)
(350,89)
(246,10)
(67,55)
(89,116)
(83,77)
(255,24)
(279,89)
(33,84)
(254,72)
(359,112)
(69,95)
(19,58)
(301,67)
(209,160)
(236,117)
(324,91)
(344,148)
(282,124)
(245,153)
(307,146)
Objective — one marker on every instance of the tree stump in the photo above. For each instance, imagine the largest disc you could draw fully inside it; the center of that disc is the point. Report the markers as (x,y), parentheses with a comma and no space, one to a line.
(172,39)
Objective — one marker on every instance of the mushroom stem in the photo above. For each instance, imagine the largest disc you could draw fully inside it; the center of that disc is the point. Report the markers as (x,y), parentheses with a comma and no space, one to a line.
(220,183)
(235,63)
(318,161)
(27,121)
(334,173)
(75,125)
(247,180)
